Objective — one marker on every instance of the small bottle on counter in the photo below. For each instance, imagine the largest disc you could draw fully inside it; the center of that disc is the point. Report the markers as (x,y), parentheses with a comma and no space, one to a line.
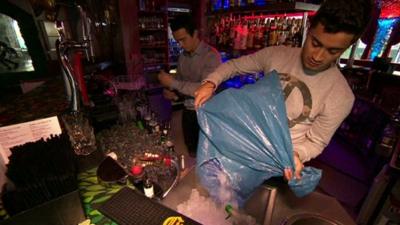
(170,146)
(182,162)
(137,176)
(148,188)
(163,136)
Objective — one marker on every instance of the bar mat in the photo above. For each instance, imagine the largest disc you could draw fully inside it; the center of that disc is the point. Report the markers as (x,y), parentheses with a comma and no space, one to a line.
(128,207)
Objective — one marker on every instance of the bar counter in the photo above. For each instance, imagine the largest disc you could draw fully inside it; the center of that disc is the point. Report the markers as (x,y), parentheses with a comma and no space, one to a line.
(270,204)
(265,208)
(284,205)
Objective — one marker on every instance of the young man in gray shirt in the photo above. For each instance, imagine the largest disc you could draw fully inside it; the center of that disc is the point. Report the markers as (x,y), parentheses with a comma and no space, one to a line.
(197,61)
(318,98)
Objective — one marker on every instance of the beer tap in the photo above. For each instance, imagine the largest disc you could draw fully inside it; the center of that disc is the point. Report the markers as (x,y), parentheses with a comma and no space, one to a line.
(65,46)
(89,51)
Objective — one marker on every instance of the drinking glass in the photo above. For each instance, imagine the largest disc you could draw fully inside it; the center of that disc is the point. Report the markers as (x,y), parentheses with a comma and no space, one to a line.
(80,132)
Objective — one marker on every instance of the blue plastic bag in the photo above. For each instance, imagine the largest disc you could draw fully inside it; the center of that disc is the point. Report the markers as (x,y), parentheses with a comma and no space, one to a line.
(244,134)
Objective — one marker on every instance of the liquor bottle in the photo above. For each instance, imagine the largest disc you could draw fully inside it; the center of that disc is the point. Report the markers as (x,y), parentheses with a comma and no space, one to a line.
(284,31)
(238,30)
(232,3)
(232,32)
(250,35)
(266,32)
(273,33)
(259,35)
(148,188)
(221,33)
(289,33)
(227,30)
(164,134)
(153,124)
(243,35)
(170,146)
(278,29)
(297,36)
(182,162)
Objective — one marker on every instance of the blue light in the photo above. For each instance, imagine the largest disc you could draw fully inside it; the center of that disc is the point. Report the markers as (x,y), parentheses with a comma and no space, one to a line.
(217,5)
(261,2)
(382,35)
(249,79)
(242,3)
(226,4)
(241,80)
(234,82)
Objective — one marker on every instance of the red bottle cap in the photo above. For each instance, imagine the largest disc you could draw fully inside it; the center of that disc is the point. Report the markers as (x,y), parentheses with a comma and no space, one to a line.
(167,161)
(136,170)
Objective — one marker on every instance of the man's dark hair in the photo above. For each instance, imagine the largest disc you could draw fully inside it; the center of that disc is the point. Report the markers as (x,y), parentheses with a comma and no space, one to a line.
(183,21)
(349,16)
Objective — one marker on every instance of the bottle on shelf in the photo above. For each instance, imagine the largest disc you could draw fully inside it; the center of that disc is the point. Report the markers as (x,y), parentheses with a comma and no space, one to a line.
(250,35)
(267,24)
(258,35)
(243,35)
(273,33)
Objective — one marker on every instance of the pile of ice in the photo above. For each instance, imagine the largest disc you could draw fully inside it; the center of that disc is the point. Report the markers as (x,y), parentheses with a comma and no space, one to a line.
(205,211)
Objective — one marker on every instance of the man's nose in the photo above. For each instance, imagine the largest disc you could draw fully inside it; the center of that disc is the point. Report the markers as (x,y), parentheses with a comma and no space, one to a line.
(318,55)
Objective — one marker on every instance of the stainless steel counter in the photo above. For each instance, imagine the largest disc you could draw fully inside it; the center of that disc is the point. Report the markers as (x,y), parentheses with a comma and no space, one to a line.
(278,203)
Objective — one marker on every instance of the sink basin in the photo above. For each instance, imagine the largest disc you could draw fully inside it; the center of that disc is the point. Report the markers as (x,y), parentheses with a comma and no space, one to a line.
(309,219)
(273,204)
(261,204)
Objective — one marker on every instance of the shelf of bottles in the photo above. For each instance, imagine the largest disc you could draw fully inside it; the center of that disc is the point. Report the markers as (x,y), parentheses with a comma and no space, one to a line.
(243,5)
(153,34)
(252,32)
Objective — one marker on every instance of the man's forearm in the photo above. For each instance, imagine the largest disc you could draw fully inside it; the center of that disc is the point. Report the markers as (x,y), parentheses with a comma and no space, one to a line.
(185,87)
(308,150)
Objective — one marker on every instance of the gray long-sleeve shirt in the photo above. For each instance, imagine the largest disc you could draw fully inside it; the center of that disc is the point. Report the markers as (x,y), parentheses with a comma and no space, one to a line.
(316,105)
(193,68)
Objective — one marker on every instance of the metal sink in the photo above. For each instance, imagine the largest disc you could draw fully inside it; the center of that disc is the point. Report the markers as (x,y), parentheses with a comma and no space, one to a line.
(309,219)
(261,204)
(274,204)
